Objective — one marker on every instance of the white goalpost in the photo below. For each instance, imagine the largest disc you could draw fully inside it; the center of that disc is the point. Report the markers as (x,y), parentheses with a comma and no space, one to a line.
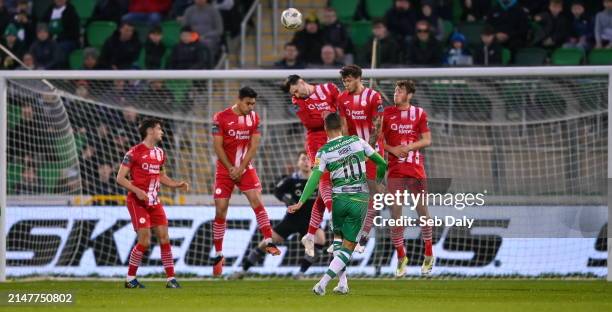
(534,139)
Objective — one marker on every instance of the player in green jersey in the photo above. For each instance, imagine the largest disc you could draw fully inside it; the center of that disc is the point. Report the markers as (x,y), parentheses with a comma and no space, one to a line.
(344,157)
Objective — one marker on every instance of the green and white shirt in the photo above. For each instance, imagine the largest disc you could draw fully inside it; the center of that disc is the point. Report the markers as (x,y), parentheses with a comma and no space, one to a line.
(345,158)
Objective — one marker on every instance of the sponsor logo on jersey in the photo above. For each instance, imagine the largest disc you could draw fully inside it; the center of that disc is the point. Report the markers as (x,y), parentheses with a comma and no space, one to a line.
(152,168)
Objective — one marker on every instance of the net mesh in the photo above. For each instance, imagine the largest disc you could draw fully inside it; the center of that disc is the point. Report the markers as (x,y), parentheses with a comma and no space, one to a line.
(524,141)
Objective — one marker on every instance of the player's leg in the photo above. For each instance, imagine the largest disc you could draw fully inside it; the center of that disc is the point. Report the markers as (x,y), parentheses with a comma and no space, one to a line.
(319,242)
(420,186)
(142,224)
(369,220)
(161,232)
(224,186)
(263,222)
(348,216)
(323,201)
(397,232)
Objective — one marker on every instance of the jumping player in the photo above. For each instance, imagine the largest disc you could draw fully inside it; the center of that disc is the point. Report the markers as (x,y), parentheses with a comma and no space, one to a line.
(236,139)
(361,111)
(405,133)
(144,163)
(311,103)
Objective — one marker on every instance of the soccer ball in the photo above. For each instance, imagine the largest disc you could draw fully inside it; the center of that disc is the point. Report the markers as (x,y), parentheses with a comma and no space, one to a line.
(291,18)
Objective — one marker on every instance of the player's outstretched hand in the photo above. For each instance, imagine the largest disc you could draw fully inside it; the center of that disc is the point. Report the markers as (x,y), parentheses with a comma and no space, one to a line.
(294,208)
(183,186)
(141,194)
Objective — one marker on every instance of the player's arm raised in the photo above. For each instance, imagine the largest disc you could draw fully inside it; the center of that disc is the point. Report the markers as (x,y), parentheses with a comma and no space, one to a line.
(169,182)
(123,181)
(253,146)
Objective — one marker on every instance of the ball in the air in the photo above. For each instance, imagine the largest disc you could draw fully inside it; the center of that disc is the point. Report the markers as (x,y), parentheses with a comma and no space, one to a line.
(291,18)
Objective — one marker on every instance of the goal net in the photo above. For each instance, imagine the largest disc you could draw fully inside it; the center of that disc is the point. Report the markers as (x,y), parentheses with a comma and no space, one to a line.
(532,141)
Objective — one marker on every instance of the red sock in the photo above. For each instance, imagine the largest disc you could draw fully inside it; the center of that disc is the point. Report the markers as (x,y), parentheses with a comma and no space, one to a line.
(167,260)
(218,233)
(263,222)
(316,215)
(397,236)
(135,258)
(426,233)
(369,221)
(325,191)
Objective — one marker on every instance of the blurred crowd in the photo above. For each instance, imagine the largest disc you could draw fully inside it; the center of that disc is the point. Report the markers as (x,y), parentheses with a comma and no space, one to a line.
(444,32)
(48,34)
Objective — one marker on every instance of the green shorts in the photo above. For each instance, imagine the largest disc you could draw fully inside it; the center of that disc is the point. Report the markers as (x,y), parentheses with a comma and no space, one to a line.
(348,214)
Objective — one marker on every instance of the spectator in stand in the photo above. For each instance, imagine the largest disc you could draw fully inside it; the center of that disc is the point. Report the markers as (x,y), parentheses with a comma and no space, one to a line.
(29,183)
(5,17)
(64,25)
(28,61)
(582,28)
(327,59)
(489,52)
(475,10)
(335,33)
(178,8)
(603,26)
(429,14)
(290,58)
(120,93)
(309,41)
(205,19)
(104,183)
(511,24)
(154,49)
(156,97)
(388,49)
(147,11)
(230,13)
(121,49)
(457,54)
(24,22)
(401,19)
(108,10)
(47,54)
(555,26)
(13,44)
(425,49)
(190,53)
(90,59)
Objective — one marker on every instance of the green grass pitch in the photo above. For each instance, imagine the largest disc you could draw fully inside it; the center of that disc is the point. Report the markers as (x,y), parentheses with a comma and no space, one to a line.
(290,295)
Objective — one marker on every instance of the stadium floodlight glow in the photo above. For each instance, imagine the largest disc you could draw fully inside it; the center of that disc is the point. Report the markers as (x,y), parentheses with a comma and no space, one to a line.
(532,137)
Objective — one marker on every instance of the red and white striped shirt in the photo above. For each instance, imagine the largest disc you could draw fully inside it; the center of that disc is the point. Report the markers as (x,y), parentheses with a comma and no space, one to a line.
(237,131)
(359,111)
(402,127)
(145,166)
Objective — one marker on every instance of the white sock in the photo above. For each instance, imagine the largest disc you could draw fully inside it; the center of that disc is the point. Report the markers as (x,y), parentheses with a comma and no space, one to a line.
(130,278)
(170,278)
(267,241)
(217,254)
(336,265)
(342,279)
(309,236)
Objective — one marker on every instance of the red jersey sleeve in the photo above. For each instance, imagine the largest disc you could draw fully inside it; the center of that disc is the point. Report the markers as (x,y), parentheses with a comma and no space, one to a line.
(376,105)
(128,159)
(217,127)
(333,93)
(423,124)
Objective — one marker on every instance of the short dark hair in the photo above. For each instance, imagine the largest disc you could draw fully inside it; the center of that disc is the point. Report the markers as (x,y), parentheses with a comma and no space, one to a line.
(247,92)
(290,81)
(302,152)
(351,71)
(290,44)
(146,124)
(407,85)
(332,122)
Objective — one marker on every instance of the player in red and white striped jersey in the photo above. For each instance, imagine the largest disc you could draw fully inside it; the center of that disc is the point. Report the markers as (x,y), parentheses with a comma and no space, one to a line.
(361,111)
(311,103)
(236,139)
(405,133)
(144,163)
